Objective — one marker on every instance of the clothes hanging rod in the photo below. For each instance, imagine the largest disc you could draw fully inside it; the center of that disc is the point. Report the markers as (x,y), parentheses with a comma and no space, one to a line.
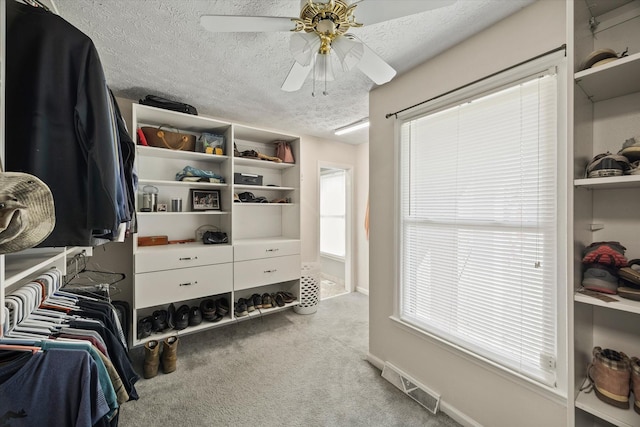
(563,47)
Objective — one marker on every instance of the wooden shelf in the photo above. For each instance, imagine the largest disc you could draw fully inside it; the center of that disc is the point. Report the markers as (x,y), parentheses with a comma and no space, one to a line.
(610,183)
(165,153)
(611,80)
(262,187)
(590,403)
(245,161)
(186,184)
(622,304)
(153,214)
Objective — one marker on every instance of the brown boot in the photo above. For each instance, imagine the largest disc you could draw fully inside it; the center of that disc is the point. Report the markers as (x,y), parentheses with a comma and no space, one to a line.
(170,354)
(610,373)
(635,382)
(151,358)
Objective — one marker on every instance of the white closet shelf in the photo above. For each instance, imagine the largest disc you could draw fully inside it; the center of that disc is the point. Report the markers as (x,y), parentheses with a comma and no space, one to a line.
(166,153)
(266,311)
(609,183)
(611,80)
(181,213)
(262,187)
(244,161)
(160,249)
(186,184)
(263,241)
(264,204)
(21,265)
(588,402)
(622,304)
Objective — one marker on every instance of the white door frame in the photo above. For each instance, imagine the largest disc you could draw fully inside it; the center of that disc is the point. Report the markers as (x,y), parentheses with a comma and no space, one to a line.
(348,258)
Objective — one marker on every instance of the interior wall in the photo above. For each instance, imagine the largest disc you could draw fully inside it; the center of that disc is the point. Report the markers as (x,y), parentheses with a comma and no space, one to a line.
(362,239)
(332,269)
(472,391)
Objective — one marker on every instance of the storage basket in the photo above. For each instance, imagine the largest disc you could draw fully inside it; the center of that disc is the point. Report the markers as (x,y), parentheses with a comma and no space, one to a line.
(309,289)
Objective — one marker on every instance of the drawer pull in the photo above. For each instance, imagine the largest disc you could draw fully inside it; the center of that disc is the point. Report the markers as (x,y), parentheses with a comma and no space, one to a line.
(272,250)
(187,258)
(188,284)
(270,271)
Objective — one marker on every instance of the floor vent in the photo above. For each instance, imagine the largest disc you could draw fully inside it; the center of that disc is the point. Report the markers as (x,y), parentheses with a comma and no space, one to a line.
(411,387)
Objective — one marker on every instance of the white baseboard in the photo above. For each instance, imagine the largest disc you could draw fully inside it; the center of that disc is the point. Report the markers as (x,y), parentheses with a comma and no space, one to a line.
(458,416)
(375,361)
(362,290)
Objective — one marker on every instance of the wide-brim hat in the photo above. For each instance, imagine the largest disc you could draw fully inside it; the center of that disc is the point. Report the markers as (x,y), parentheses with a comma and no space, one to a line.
(599,57)
(27,212)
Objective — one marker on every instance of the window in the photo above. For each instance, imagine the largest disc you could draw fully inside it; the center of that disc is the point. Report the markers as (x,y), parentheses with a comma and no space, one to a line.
(478,220)
(332,212)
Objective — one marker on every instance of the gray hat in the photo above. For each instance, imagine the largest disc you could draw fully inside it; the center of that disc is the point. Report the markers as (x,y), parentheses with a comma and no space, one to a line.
(27,214)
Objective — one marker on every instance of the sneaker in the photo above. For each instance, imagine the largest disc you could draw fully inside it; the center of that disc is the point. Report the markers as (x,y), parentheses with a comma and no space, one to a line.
(257,301)
(630,275)
(610,374)
(208,309)
(607,164)
(195,316)
(222,306)
(266,301)
(635,382)
(631,148)
(601,279)
(250,306)
(634,168)
(241,308)
(145,327)
(182,317)
(610,254)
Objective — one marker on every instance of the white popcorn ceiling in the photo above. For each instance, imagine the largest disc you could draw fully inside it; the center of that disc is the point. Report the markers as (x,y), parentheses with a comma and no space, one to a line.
(158,47)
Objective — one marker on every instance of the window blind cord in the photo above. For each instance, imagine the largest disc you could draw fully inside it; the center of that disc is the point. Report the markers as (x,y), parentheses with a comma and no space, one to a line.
(395,114)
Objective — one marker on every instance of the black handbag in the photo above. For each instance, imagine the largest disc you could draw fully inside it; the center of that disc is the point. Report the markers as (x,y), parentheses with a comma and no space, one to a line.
(167,104)
(214,237)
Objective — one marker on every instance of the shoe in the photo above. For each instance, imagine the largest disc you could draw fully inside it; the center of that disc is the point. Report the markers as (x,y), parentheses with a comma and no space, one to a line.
(208,309)
(250,306)
(601,279)
(610,374)
(169,354)
(288,297)
(635,383)
(610,254)
(195,316)
(159,320)
(257,301)
(629,292)
(631,149)
(241,308)
(182,317)
(151,358)
(607,164)
(634,168)
(630,275)
(277,299)
(145,327)
(267,302)
(222,306)
(171,316)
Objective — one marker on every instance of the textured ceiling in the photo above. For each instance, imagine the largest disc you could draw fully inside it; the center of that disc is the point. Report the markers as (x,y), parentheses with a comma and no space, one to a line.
(158,47)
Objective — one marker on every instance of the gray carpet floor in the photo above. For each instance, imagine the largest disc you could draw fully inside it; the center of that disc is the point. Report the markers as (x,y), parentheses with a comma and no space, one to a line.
(283,369)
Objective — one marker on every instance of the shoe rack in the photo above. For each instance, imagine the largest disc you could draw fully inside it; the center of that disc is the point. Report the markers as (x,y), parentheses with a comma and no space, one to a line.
(604,111)
(263,251)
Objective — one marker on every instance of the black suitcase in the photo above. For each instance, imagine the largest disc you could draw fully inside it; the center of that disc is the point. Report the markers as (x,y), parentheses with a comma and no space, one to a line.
(167,104)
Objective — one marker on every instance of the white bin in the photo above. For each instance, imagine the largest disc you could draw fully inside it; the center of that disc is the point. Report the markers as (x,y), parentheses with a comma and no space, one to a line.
(309,289)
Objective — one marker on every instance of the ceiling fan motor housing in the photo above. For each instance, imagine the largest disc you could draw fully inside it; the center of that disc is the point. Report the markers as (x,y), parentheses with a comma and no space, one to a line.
(328,20)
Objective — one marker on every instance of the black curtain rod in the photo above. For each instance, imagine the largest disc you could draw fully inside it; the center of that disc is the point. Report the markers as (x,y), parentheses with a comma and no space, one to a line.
(563,47)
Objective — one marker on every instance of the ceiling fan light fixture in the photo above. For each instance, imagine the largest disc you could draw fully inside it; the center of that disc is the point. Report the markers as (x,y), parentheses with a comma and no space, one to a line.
(360,124)
(349,51)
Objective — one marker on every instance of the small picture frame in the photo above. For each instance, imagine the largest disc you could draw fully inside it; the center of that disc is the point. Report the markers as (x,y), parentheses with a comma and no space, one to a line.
(162,207)
(205,200)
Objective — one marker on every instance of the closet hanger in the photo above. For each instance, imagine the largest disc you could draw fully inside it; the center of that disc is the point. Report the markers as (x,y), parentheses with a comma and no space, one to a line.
(89,281)
(36,3)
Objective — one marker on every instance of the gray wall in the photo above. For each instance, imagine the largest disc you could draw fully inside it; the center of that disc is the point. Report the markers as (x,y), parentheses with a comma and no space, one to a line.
(471,390)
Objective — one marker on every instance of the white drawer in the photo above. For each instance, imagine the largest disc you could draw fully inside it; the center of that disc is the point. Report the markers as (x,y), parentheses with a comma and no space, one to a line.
(164,287)
(265,249)
(156,258)
(259,272)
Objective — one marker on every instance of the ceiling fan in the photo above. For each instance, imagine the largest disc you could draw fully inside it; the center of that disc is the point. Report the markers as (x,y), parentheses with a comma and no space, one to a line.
(321,41)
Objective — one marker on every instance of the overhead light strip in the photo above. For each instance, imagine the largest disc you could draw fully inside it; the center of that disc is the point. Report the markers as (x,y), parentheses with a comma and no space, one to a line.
(360,124)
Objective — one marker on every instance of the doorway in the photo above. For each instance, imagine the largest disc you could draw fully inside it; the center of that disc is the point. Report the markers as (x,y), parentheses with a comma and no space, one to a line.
(335,193)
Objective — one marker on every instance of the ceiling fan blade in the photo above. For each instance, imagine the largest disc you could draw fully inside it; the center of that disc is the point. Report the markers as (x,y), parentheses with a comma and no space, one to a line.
(374,67)
(296,77)
(373,11)
(245,24)
(349,50)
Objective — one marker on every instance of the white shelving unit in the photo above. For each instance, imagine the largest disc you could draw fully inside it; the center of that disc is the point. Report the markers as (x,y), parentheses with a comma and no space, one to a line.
(263,253)
(604,111)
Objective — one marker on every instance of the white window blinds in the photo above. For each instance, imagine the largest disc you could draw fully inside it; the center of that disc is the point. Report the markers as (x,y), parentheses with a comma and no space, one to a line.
(478,225)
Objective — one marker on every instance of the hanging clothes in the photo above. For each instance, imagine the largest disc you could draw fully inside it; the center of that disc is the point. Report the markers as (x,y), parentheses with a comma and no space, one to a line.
(60,124)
